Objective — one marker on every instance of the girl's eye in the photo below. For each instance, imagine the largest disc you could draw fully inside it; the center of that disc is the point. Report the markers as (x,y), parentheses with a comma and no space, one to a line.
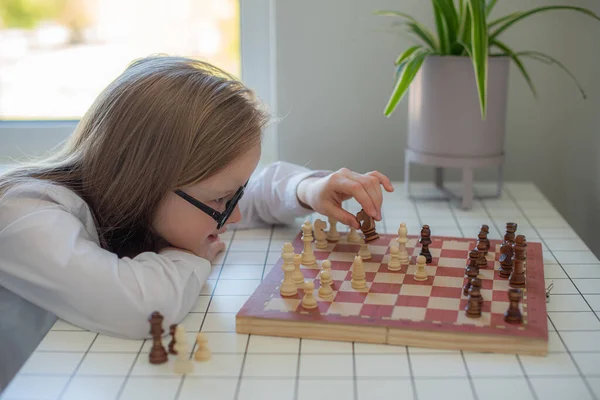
(220,200)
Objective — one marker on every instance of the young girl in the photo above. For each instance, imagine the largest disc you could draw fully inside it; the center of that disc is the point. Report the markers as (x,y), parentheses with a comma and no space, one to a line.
(126,218)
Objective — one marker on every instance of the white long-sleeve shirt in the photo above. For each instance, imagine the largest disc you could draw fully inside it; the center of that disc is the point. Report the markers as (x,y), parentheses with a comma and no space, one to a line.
(50,255)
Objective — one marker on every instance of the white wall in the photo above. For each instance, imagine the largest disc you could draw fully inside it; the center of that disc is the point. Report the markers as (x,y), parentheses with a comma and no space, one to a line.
(334,75)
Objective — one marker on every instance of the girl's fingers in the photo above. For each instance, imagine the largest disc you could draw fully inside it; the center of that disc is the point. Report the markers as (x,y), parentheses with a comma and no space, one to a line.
(356,189)
(372,187)
(384,180)
(339,214)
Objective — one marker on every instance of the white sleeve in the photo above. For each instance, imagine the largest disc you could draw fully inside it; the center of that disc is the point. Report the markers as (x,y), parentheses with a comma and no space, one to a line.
(270,197)
(51,260)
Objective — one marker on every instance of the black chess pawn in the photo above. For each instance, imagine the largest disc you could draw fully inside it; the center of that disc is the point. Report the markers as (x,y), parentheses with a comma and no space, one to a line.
(481,260)
(513,313)
(473,257)
(172,343)
(158,354)
(425,241)
(517,276)
(506,250)
(471,274)
(475,300)
(483,235)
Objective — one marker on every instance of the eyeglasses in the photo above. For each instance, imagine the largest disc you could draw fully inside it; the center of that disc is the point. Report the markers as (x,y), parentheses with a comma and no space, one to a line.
(219,217)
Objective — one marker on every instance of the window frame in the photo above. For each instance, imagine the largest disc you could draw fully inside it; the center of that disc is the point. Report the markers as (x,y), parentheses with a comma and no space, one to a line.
(26,138)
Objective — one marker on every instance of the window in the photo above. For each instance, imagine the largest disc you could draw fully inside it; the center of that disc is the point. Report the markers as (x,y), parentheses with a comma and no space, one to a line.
(57,55)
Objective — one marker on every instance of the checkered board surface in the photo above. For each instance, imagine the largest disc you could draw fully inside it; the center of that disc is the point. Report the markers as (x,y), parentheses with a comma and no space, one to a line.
(395,300)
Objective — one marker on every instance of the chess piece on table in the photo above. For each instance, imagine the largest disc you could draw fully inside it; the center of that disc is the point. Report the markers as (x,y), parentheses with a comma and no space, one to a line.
(359,281)
(325,291)
(513,314)
(506,250)
(298,276)
(158,354)
(471,274)
(394,263)
(333,234)
(183,365)
(308,256)
(402,240)
(202,352)
(288,286)
(367,227)
(483,235)
(353,236)
(473,265)
(172,343)
(421,273)
(326,265)
(474,301)
(364,252)
(320,235)
(517,276)
(425,241)
(308,301)
(481,259)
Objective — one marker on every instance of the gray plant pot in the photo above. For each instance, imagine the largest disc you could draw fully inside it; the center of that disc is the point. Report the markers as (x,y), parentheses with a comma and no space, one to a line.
(445,127)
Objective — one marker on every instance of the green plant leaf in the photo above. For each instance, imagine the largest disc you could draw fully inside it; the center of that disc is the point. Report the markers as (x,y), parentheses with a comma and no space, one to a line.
(412,66)
(479,48)
(536,55)
(407,53)
(419,29)
(509,52)
(450,16)
(489,7)
(526,14)
(442,29)
(464,36)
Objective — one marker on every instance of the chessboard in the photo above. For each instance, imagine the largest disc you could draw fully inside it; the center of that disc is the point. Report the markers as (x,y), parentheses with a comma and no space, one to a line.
(401,305)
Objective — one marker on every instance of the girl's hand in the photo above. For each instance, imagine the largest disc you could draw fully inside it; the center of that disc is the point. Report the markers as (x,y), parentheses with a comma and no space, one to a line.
(209,252)
(325,195)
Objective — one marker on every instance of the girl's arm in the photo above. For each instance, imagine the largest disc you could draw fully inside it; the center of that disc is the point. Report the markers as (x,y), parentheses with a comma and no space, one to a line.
(50,258)
(271,195)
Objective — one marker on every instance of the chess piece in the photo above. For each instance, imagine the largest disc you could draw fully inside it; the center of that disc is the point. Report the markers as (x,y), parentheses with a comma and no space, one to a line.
(402,240)
(308,301)
(367,227)
(421,273)
(325,291)
(158,354)
(364,252)
(394,263)
(320,235)
(288,286)
(353,236)
(425,241)
(297,276)
(359,281)
(506,251)
(333,234)
(471,274)
(183,365)
(483,235)
(308,257)
(481,259)
(517,276)
(172,343)
(326,265)
(202,352)
(475,301)
(473,265)
(513,314)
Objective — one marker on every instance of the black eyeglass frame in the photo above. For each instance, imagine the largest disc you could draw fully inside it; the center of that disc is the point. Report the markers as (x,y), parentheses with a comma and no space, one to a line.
(219,217)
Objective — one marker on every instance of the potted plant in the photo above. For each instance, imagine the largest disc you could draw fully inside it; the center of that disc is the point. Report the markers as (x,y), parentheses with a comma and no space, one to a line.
(457,80)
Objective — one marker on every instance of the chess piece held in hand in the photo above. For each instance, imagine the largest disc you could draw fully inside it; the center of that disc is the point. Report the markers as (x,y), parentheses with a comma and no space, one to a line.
(158,354)
(367,227)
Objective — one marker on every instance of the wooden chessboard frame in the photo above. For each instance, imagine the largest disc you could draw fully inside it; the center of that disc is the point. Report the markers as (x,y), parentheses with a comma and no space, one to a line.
(530,339)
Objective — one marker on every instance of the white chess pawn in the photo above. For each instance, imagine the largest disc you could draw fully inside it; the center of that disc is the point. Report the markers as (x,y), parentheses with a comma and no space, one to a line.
(421,274)
(308,301)
(308,256)
(182,365)
(326,265)
(202,352)
(358,274)
(332,233)
(364,252)
(353,236)
(325,291)
(394,263)
(402,240)
(320,235)
(288,286)
(298,276)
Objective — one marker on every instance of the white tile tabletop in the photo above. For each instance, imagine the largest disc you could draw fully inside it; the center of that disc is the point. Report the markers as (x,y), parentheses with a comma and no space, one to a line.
(70,363)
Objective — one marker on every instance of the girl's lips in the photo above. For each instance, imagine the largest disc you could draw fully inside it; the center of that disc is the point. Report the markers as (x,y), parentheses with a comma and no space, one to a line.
(213,238)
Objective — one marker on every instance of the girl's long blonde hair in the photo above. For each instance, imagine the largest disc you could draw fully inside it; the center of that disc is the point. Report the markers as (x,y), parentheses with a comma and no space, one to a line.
(165,122)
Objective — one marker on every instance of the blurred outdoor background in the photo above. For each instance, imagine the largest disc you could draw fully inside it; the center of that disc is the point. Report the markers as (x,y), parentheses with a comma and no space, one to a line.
(57,55)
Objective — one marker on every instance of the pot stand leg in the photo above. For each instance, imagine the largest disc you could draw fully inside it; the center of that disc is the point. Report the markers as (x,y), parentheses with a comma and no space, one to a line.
(439,177)
(467,201)
(407,176)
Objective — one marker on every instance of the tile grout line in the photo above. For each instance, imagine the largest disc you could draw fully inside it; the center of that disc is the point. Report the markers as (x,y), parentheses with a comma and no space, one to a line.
(412,375)
(469,377)
(529,384)
(550,251)
(354,380)
(66,387)
(238,384)
(297,380)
